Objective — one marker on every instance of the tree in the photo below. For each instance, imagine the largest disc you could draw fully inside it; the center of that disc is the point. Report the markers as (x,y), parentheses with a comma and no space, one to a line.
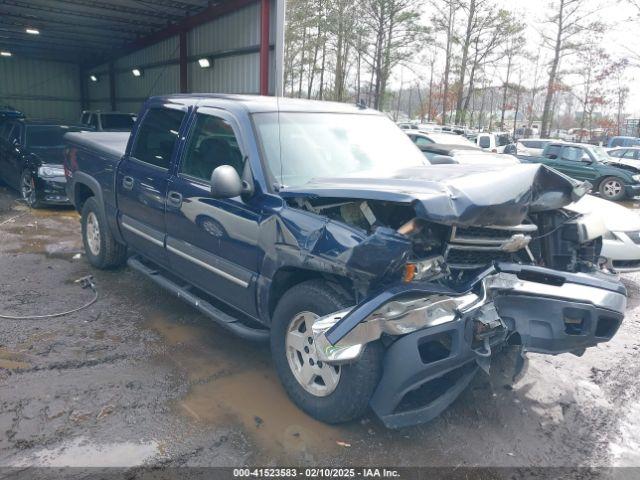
(569,19)
(444,21)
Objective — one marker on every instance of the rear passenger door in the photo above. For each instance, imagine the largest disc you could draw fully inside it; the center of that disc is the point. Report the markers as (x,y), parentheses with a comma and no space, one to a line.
(142,178)
(575,162)
(212,242)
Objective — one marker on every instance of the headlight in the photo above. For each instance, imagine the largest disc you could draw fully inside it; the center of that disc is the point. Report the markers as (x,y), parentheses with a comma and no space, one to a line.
(50,171)
(636,178)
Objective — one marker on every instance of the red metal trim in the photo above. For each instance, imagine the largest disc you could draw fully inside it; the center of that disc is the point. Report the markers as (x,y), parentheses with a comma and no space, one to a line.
(264,47)
(184,59)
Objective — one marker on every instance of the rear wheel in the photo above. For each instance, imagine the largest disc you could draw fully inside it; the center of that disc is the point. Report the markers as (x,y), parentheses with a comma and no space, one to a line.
(28,190)
(612,188)
(328,393)
(102,250)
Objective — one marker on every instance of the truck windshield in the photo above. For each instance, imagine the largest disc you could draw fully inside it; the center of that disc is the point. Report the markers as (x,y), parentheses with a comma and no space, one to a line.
(315,145)
(117,121)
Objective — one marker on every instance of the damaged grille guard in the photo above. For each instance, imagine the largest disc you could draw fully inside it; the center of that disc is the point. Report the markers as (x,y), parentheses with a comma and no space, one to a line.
(340,337)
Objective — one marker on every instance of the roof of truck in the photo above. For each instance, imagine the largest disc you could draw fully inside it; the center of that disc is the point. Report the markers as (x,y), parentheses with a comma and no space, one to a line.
(258,103)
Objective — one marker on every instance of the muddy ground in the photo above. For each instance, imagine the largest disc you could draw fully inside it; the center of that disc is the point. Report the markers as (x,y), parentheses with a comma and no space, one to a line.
(139,377)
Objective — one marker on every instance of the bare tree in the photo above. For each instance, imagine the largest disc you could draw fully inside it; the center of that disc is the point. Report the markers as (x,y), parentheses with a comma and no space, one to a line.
(569,19)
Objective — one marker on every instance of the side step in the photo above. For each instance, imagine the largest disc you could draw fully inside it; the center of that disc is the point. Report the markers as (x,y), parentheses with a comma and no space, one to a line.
(221,318)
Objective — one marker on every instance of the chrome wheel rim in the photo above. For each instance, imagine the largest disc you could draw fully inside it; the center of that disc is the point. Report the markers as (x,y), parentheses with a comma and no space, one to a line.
(612,188)
(28,189)
(93,234)
(317,378)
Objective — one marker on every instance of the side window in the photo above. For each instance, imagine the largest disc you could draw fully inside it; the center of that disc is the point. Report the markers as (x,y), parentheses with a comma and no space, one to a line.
(617,153)
(572,154)
(212,143)
(14,136)
(422,142)
(85,118)
(552,152)
(628,154)
(93,121)
(6,130)
(484,142)
(157,135)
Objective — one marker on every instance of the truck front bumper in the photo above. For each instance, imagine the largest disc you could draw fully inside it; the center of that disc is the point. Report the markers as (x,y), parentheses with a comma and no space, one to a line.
(541,310)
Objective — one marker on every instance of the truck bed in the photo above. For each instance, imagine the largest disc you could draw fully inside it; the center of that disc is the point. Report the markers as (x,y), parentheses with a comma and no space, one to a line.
(110,143)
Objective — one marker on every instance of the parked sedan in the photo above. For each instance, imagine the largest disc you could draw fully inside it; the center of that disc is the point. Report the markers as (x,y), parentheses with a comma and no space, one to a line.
(627,153)
(423,139)
(31,155)
(621,245)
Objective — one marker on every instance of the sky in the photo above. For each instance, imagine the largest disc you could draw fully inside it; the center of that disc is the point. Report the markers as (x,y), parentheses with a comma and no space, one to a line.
(621,36)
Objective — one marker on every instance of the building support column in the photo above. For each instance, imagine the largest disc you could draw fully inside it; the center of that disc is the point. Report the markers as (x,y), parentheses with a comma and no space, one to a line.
(84,88)
(264,47)
(184,69)
(112,86)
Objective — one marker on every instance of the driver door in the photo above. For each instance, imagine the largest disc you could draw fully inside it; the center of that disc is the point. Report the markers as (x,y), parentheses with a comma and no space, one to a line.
(212,242)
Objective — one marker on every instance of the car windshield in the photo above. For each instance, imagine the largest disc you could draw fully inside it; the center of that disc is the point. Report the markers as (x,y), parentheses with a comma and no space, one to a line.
(47,135)
(299,147)
(117,121)
(599,153)
(450,139)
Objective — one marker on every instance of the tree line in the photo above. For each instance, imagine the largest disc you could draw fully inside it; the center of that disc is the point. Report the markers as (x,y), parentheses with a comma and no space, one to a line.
(466,62)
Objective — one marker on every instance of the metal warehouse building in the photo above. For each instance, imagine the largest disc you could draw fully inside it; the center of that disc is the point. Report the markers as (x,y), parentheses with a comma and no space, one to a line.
(59,57)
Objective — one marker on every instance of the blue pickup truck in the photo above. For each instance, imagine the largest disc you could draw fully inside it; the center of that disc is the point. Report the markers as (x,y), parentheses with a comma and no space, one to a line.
(380,281)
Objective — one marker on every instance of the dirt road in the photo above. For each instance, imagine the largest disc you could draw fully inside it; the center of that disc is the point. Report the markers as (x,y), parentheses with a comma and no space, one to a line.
(139,377)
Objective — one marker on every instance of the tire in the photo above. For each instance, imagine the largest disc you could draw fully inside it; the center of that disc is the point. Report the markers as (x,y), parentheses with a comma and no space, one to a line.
(349,398)
(28,190)
(612,188)
(102,250)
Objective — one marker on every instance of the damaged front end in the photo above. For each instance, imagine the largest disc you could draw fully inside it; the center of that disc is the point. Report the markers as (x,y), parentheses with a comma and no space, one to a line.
(454,264)
(437,338)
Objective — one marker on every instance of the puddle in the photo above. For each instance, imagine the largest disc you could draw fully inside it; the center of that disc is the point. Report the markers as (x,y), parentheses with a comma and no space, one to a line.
(234,385)
(81,453)
(626,451)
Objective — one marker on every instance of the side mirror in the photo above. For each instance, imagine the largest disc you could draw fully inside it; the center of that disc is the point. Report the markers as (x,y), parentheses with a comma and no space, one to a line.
(225,182)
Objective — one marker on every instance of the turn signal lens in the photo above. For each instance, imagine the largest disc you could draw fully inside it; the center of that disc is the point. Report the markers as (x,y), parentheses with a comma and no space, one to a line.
(409,272)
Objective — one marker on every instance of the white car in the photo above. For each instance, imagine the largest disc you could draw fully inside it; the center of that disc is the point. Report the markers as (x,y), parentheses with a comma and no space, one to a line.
(424,139)
(621,245)
(531,147)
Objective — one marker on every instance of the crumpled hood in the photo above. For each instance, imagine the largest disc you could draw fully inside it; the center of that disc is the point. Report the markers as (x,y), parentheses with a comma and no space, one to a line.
(458,194)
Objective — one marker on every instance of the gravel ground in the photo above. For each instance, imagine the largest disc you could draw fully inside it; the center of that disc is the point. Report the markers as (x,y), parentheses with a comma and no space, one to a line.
(141,378)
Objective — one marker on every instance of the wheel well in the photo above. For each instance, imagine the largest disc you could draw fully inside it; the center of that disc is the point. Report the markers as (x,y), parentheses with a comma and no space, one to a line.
(287,277)
(82,193)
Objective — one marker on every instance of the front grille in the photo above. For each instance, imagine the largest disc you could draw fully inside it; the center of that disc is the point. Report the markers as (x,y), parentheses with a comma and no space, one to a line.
(476,247)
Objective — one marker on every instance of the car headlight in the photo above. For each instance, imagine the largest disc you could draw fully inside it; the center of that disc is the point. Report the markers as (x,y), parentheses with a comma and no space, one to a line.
(50,171)
(636,178)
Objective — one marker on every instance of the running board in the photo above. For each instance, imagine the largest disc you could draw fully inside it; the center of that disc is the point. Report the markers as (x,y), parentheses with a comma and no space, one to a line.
(221,318)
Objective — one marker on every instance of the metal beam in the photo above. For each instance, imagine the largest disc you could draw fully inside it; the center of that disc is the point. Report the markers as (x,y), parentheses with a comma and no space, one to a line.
(184,79)
(264,47)
(19,35)
(112,87)
(74,29)
(115,8)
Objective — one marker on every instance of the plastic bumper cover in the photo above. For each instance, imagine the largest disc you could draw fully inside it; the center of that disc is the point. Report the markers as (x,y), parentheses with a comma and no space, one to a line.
(52,190)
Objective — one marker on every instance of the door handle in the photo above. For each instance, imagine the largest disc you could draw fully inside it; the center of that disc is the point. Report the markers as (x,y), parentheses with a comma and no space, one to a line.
(127,183)
(175,199)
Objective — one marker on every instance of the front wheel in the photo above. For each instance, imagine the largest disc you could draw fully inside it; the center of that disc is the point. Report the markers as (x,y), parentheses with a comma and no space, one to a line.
(28,190)
(612,188)
(329,393)
(102,250)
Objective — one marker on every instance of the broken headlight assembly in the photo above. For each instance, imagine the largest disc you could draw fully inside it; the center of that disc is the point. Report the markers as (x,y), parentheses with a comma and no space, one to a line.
(52,171)
(397,317)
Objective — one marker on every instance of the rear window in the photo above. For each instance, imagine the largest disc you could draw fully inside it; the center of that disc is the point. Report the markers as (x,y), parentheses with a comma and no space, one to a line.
(47,135)
(117,121)
(157,136)
(553,151)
